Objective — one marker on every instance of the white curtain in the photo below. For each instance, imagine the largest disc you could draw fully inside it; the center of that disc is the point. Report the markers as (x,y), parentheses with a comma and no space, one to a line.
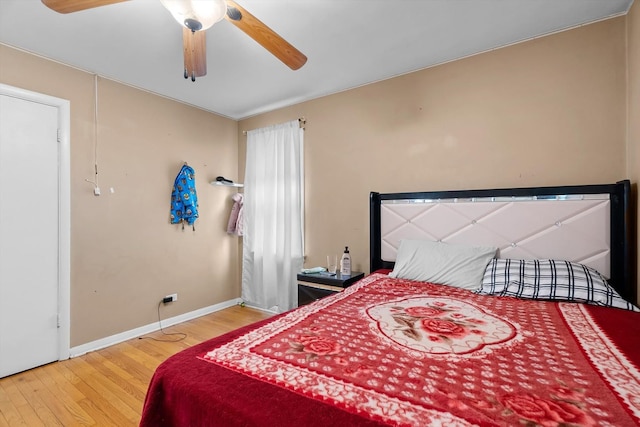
(273,216)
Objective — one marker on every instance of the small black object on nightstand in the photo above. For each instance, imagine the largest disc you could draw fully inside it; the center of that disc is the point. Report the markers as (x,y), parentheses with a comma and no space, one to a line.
(314,286)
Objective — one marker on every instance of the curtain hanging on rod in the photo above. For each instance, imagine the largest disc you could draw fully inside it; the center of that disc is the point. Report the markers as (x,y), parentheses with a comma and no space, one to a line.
(273,216)
(301,122)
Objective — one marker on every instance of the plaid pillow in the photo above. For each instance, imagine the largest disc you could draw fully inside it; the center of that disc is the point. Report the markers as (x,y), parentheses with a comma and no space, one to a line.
(550,280)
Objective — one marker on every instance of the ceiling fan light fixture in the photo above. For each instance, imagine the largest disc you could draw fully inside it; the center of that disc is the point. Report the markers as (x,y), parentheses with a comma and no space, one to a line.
(196,14)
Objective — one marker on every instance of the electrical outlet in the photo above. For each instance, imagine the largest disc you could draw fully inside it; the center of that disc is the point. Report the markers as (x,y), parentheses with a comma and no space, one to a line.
(170,298)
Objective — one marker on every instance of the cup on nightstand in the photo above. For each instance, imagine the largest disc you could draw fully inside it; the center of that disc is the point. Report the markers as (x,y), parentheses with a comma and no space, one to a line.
(332,263)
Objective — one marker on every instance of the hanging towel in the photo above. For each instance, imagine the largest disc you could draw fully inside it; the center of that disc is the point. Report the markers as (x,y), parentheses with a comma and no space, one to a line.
(234,225)
(184,200)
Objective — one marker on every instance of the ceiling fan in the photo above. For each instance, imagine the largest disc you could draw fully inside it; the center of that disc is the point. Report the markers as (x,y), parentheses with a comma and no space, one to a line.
(196,16)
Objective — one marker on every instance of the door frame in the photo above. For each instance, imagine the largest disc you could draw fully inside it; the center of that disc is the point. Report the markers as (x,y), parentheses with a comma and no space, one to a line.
(64,208)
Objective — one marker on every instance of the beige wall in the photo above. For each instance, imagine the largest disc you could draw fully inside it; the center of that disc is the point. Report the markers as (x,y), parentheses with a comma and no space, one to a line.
(125,256)
(550,111)
(633,102)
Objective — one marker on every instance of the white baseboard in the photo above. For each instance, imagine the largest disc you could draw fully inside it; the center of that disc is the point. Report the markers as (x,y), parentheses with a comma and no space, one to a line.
(255,307)
(143,330)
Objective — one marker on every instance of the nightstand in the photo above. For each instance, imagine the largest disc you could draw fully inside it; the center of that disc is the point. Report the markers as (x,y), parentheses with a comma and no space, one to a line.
(314,286)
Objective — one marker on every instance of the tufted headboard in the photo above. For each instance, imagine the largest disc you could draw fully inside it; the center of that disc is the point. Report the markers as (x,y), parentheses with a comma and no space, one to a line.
(589,224)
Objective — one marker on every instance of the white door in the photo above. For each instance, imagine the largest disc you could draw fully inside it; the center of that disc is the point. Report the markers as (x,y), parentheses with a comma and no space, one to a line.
(30,303)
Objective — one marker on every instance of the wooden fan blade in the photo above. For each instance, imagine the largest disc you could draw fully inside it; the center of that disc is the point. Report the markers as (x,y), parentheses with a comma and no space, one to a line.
(265,36)
(68,6)
(195,53)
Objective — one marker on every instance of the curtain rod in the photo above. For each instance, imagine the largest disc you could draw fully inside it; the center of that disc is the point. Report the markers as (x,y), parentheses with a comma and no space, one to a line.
(301,120)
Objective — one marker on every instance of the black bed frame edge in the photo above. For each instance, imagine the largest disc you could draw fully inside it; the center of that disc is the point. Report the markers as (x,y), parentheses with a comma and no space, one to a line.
(619,193)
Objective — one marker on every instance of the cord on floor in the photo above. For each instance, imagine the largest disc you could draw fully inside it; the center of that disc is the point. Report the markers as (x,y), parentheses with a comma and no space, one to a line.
(180,334)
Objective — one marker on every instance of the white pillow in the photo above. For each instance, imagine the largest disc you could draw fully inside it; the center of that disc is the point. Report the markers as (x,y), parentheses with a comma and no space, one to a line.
(443,263)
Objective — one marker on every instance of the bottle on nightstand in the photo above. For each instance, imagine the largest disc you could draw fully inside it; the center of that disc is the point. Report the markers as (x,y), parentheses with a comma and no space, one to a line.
(345,262)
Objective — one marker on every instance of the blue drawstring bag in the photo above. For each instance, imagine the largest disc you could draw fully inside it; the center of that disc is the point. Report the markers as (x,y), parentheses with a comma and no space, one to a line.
(184,200)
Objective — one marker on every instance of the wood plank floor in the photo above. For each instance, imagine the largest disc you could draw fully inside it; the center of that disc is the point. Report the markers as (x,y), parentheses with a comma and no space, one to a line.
(105,387)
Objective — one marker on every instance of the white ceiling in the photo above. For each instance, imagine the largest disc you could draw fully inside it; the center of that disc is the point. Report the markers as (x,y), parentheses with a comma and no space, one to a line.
(349,43)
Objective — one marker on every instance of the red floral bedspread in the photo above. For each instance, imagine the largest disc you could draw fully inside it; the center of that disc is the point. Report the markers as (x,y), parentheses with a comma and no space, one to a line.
(397,352)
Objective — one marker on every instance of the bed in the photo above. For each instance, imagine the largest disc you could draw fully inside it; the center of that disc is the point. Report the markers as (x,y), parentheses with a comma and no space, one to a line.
(395,349)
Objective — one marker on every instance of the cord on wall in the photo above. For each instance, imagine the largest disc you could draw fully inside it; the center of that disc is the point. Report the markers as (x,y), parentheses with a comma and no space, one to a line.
(96,187)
